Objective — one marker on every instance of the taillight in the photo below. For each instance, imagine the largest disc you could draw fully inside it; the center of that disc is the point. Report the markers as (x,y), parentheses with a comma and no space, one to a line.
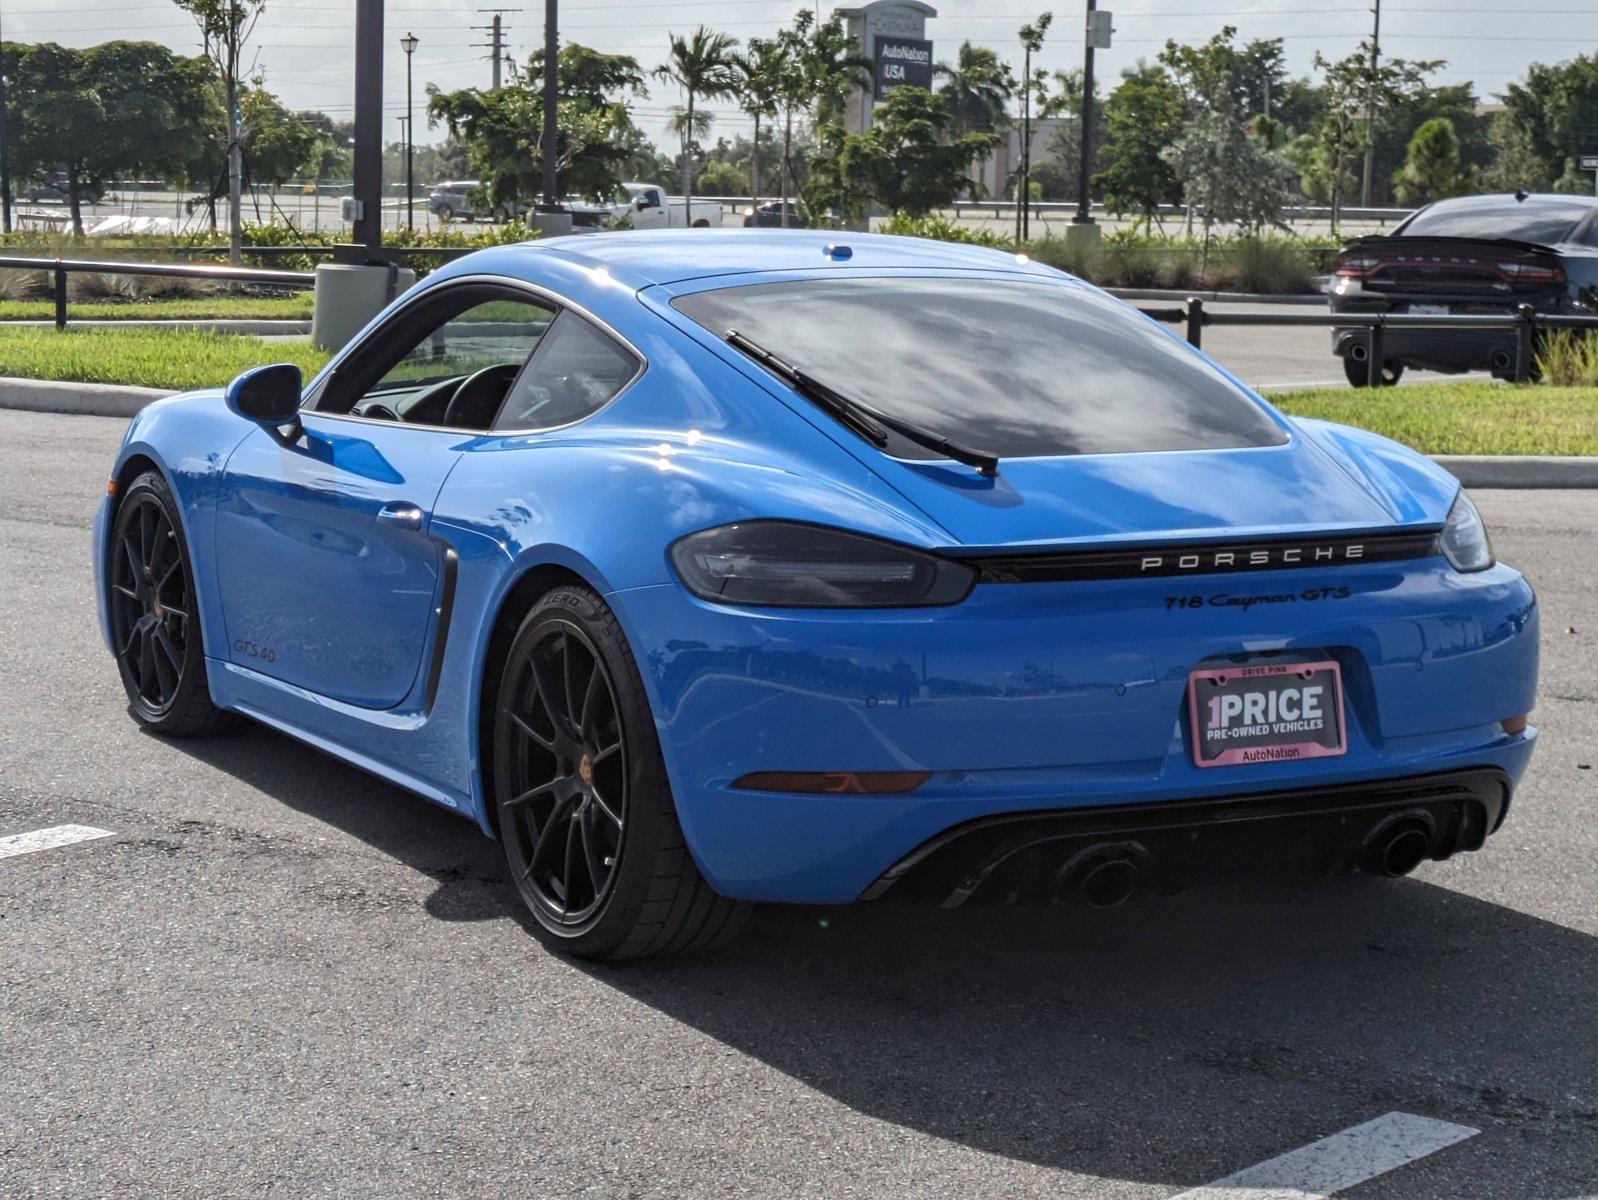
(1524,272)
(1357,266)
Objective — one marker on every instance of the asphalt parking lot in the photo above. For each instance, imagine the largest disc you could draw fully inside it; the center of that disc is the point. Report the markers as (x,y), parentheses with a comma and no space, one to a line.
(279,975)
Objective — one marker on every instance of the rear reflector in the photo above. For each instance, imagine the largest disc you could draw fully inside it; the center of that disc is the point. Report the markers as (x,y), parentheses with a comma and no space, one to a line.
(1514,724)
(836,782)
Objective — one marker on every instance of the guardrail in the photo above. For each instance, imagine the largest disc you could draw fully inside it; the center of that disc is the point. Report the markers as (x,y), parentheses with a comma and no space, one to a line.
(61,268)
(1300,212)
(1524,323)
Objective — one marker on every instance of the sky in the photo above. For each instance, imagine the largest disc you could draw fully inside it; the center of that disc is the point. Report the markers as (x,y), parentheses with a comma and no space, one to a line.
(303,48)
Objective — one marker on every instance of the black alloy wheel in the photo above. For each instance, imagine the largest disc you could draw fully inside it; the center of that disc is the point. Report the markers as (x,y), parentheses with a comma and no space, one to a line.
(565,762)
(154,619)
(585,813)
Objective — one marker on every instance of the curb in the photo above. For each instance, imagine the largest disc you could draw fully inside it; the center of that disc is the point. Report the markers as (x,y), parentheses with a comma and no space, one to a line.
(83,399)
(1520,470)
(244,326)
(1472,470)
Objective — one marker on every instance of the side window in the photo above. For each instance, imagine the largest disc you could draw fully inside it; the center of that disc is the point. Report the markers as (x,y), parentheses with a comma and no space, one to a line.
(448,362)
(576,371)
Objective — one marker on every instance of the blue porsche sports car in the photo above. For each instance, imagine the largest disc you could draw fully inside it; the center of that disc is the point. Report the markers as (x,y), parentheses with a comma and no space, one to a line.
(739,566)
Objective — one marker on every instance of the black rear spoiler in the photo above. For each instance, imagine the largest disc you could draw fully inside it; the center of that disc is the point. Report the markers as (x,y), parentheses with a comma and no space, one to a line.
(1457,243)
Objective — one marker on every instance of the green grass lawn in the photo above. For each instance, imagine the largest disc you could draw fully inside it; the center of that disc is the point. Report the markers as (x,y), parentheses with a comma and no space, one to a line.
(176,359)
(296,307)
(1462,418)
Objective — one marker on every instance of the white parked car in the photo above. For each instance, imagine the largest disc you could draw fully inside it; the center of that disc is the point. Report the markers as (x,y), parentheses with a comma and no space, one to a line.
(650,208)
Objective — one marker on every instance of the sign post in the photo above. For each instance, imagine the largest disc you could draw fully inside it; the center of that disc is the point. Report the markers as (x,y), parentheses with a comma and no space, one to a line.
(1589,162)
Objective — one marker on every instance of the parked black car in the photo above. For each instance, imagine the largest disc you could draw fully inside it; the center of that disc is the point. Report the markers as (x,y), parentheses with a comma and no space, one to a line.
(769,216)
(1473,254)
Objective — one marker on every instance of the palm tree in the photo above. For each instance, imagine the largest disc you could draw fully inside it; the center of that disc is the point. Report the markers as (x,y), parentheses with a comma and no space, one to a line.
(979,87)
(761,70)
(704,66)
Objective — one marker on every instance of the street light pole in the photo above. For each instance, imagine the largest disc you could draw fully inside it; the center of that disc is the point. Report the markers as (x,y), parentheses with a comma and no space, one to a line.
(1083,203)
(408,43)
(5,148)
(550,149)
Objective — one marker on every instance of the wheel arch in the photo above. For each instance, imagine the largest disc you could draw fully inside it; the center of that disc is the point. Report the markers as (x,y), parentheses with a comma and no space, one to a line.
(534,582)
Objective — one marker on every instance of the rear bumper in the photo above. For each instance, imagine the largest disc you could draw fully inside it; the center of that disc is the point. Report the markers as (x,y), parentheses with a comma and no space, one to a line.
(1450,350)
(1103,855)
(1039,697)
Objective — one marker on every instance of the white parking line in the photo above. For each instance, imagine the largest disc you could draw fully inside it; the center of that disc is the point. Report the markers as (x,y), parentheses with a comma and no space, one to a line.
(49,839)
(1338,1162)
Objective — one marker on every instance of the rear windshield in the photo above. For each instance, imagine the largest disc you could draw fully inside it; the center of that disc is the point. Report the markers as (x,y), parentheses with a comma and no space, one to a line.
(1535,220)
(1013,368)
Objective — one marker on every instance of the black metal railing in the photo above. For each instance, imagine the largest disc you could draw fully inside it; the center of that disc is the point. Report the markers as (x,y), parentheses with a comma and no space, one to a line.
(60,269)
(1524,322)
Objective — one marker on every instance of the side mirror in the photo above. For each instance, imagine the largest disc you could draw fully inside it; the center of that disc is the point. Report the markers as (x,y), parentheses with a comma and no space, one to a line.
(267,395)
(641,203)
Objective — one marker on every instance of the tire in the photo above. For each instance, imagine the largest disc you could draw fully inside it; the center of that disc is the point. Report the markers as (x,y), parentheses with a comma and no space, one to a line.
(580,779)
(701,224)
(446,214)
(155,617)
(1358,373)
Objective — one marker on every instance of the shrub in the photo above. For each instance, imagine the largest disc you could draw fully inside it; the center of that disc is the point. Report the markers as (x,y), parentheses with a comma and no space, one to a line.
(1083,259)
(941,229)
(1256,264)
(1568,358)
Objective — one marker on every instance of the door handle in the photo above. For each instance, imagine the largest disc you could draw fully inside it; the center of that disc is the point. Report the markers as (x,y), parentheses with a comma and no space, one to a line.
(401,515)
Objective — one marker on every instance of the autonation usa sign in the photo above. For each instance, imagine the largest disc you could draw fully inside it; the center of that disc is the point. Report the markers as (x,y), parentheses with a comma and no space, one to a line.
(902,60)
(892,36)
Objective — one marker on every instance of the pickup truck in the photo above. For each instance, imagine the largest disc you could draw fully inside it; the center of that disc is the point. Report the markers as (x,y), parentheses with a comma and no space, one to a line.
(650,208)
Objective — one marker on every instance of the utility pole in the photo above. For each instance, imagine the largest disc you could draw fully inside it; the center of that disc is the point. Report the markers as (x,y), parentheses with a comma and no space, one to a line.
(495,45)
(1370,106)
(549,149)
(369,125)
(1090,39)
(5,149)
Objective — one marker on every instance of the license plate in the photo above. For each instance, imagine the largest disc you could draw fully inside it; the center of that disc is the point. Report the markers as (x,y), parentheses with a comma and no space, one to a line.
(1428,310)
(1266,712)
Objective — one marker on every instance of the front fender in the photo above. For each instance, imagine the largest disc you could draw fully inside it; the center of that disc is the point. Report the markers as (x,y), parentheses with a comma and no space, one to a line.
(188,438)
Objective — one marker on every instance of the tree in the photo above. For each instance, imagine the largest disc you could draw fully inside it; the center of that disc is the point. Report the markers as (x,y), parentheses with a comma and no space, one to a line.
(1032,85)
(1055,174)
(225,27)
(820,67)
(720,179)
(976,89)
(704,66)
(278,146)
(1549,119)
(760,71)
(909,161)
(1355,87)
(1229,176)
(1432,168)
(1141,117)
(120,108)
(1413,104)
(500,128)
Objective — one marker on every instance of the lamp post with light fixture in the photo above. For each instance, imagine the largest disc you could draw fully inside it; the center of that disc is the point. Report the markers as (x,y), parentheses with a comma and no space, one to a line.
(408,43)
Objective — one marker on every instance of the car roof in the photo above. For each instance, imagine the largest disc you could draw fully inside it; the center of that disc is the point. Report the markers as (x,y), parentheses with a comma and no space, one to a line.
(647,257)
(1539,202)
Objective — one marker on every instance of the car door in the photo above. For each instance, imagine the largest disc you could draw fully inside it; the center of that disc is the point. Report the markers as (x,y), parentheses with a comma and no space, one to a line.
(653,214)
(328,566)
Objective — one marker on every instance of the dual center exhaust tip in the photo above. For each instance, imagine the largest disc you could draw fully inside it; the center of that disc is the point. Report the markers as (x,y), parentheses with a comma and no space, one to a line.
(1109,874)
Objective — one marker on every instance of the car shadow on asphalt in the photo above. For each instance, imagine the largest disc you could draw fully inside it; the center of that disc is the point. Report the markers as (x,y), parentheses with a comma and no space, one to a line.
(1113,1043)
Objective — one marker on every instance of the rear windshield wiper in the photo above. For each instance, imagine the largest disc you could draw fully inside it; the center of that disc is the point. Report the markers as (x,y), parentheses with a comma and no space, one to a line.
(865,421)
